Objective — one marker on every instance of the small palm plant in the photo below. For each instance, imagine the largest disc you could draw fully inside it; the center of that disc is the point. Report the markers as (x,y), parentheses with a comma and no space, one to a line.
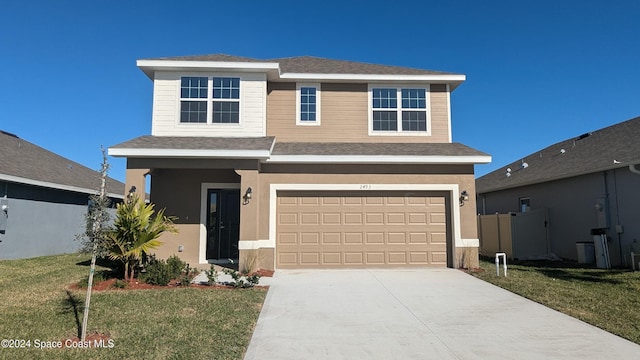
(136,231)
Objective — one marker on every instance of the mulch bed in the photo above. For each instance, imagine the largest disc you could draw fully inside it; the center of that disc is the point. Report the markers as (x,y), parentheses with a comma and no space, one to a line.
(108,284)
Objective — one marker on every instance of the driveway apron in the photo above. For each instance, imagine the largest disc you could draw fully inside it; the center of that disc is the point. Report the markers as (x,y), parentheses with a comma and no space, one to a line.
(416,314)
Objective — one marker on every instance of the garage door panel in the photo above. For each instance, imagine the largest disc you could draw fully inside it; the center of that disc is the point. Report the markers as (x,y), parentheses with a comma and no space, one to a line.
(331,218)
(418,238)
(312,238)
(288,238)
(353,258)
(325,229)
(288,219)
(439,257)
(376,218)
(332,258)
(437,218)
(331,238)
(419,257)
(438,238)
(353,238)
(396,238)
(418,218)
(396,218)
(353,219)
(375,258)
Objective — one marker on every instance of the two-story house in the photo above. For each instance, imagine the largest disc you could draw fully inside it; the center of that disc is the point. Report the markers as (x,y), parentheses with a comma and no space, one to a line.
(306,162)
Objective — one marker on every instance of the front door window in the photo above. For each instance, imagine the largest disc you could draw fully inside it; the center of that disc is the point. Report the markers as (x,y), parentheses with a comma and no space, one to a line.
(223,224)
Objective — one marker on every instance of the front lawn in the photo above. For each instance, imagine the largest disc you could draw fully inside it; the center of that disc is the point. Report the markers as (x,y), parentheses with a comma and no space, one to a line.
(608,299)
(38,306)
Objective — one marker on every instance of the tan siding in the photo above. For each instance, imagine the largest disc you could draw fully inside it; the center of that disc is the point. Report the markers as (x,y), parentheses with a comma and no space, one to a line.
(344,115)
(439,114)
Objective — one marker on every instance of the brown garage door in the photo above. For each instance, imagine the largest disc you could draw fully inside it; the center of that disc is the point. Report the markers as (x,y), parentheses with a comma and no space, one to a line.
(339,230)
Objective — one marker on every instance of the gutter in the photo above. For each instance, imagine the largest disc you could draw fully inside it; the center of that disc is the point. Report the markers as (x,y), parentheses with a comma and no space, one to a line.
(633,169)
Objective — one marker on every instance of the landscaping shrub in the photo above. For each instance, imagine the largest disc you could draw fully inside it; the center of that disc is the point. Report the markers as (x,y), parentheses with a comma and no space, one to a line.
(157,272)
(176,266)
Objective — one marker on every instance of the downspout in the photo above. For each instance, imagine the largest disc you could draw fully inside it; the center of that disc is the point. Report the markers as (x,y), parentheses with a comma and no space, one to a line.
(633,169)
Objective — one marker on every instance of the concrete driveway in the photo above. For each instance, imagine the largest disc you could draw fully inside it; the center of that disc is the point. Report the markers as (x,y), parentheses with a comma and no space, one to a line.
(416,314)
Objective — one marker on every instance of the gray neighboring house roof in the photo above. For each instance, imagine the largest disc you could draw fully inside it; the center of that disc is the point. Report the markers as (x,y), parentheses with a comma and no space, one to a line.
(314,65)
(266,148)
(609,148)
(26,163)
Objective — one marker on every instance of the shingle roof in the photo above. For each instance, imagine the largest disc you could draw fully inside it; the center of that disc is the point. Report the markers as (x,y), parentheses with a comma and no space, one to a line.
(608,148)
(22,159)
(210,57)
(150,142)
(197,143)
(315,65)
(376,149)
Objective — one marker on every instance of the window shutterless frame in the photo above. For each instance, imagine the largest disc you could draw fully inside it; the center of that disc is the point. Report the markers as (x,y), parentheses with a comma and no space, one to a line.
(308,104)
(209,100)
(399,110)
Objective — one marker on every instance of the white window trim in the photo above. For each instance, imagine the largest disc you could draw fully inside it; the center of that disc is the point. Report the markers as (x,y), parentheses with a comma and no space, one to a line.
(307,122)
(399,109)
(209,100)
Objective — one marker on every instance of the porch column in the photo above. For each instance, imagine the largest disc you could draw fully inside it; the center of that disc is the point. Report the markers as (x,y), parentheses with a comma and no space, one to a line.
(249,207)
(251,257)
(136,179)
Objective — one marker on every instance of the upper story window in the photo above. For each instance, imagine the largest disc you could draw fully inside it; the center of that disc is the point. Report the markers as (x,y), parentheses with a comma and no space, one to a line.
(213,100)
(398,110)
(308,104)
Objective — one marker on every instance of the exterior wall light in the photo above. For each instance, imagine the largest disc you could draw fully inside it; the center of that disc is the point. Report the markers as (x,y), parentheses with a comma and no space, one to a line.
(247,196)
(464,196)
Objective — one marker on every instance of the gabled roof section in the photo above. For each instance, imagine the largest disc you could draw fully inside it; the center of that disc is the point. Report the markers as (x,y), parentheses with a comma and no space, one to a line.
(300,68)
(266,149)
(609,148)
(26,163)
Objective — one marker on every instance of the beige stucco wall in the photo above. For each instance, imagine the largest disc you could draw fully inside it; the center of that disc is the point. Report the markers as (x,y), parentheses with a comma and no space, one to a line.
(180,192)
(345,115)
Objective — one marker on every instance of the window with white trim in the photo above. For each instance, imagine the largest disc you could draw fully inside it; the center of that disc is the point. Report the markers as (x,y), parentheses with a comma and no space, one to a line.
(409,114)
(308,104)
(214,100)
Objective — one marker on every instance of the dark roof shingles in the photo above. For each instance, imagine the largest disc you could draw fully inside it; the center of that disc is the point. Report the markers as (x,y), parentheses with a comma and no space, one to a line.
(292,148)
(197,143)
(315,65)
(376,149)
(594,152)
(20,158)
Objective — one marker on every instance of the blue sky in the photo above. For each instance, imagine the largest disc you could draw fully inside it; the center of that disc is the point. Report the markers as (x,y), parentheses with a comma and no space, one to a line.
(538,72)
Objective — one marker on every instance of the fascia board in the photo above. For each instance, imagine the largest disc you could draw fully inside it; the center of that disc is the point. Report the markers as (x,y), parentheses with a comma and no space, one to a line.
(378,159)
(375,77)
(189,153)
(150,66)
(46,184)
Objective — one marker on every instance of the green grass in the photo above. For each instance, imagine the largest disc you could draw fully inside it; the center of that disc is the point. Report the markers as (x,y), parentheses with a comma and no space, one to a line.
(36,304)
(608,299)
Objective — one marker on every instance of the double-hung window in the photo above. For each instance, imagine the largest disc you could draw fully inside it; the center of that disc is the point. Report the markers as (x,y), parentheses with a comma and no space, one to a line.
(399,109)
(214,100)
(308,104)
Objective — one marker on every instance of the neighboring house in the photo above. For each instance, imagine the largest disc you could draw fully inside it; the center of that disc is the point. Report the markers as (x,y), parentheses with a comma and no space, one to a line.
(43,199)
(306,162)
(584,183)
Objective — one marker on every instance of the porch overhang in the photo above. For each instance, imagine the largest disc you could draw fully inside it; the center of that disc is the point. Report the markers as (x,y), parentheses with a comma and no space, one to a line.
(267,150)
